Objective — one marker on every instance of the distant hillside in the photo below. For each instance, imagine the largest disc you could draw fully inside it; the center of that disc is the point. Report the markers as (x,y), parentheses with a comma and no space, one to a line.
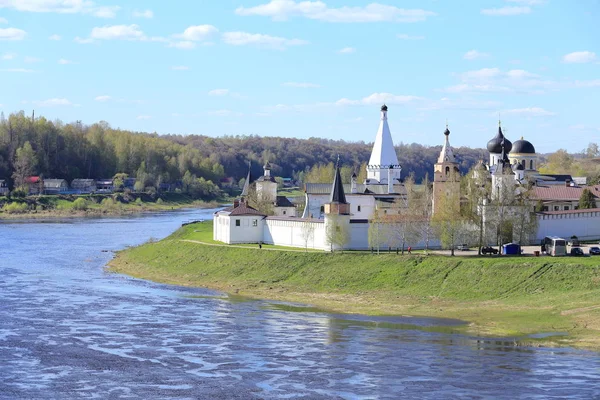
(289,156)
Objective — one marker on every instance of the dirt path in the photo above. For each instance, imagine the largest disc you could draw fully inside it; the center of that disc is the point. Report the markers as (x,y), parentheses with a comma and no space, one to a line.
(248,247)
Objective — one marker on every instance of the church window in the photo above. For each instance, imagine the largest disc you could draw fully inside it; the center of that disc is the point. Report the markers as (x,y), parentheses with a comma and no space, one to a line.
(238,222)
(255,222)
(447,170)
(284,212)
(358,209)
(530,164)
(322,208)
(566,208)
(556,208)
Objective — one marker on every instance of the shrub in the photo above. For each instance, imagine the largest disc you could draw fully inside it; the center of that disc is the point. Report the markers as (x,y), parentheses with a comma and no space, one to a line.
(80,204)
(19,193)
(159,201)
(15,208)
(139,201)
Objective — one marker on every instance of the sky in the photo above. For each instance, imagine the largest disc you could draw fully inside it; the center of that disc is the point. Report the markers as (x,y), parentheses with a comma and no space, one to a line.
(310,68)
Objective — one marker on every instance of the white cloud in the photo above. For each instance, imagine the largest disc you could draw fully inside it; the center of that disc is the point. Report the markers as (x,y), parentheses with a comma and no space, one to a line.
(12,34)
(184,45)
(281,10)
(347,50)
(9,56)
(592,83)
(144,116)
(3,20)
(197,33)
(118,32)
(54,102)
(61,7)
(474,55)
(378,99)
(301,85)
(579,57)
(506,11)
(54,37)
(495,80)
(521,74)
(404,36)
(62,61)
(219,92)
(103,98)
(32,59)
(143,14)
(267,41)
(529,112)
(23,70)
(180,68)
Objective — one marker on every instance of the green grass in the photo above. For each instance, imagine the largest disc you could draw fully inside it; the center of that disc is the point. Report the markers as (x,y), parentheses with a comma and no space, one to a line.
(499,296)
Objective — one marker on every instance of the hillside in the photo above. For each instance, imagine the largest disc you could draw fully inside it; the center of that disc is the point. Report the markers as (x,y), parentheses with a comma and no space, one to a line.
(496,295)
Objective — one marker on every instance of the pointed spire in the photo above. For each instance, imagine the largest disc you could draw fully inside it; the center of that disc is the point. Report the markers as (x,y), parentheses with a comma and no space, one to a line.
(384,153)
(246,188)
(337,189)
(446,155)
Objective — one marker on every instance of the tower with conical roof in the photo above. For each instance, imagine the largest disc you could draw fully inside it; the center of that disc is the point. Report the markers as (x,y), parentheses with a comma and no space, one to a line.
(503,177)
(337,215)
(494,146)
(383,156)
(446,175)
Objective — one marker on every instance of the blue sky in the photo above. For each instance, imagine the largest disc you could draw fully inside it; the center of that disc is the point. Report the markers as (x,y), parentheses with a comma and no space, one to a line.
(310,68)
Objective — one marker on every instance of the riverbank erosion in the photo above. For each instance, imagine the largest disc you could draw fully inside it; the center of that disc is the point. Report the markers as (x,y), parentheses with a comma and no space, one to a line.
(498,296)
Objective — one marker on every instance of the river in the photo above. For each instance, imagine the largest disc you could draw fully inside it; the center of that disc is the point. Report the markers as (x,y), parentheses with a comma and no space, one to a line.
(69,330)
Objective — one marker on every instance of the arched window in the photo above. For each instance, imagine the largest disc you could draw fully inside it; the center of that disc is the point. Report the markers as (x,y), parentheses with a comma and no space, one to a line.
(530,164)
(447,170)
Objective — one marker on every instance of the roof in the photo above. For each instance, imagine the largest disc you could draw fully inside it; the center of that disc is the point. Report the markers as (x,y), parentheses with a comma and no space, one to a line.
(522,146)
(247,182)
(446,155)
(569,211)
(283,201)
(557,177)
(337,189)
(104,182)
(50,183)
(383,153)
(362,189)
(559,192)
(32,179)
(243,209)
(88,181)
(495,144)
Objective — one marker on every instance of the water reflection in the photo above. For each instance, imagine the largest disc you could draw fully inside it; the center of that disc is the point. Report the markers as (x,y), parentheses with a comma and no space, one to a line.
(70,330)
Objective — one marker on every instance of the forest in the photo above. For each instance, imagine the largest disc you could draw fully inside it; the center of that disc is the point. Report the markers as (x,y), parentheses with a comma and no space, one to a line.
(34,145)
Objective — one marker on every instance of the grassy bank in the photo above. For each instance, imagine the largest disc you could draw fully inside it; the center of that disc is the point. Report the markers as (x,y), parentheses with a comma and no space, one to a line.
(500,296)
(94,204)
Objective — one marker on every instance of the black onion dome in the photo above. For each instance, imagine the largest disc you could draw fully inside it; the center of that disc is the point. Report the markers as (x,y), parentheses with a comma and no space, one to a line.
(523,146)
(495,145)
(447,131)
(384,108)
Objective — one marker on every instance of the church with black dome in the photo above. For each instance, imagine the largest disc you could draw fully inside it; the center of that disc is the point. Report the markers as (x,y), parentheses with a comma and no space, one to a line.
(520,156)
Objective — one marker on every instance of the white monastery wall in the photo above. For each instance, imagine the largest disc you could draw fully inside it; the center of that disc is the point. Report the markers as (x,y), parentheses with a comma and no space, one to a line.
(290,233)
(250,229)
(584,224)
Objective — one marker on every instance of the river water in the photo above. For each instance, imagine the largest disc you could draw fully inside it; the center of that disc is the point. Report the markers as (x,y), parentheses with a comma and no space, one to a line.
(69,330)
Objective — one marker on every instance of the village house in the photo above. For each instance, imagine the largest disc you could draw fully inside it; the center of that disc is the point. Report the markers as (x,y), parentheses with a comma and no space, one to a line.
(55,186)
(104,186)
(34,185)
(83,185)
(3,187)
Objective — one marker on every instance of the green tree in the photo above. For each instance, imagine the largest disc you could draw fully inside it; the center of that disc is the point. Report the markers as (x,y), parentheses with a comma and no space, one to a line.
(448,222)
(587,200)
(24,164)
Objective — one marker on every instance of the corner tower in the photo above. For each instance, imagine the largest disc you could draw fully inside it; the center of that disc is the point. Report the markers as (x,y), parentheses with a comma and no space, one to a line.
(446,175)
(383,157)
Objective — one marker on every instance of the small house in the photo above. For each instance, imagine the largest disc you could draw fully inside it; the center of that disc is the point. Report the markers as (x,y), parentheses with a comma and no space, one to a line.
(34,185)
(104,186)
(55,186)
(3,187)
(83,185)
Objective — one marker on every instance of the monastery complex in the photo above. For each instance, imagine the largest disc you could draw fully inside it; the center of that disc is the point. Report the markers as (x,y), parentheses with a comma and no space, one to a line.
(341,216)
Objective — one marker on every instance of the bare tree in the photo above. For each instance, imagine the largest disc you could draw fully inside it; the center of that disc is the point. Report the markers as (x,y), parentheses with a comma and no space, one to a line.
(308,233)
(337,233)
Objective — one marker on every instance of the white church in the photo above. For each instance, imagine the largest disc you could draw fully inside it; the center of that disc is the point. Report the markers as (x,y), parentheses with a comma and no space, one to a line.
(352,206)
